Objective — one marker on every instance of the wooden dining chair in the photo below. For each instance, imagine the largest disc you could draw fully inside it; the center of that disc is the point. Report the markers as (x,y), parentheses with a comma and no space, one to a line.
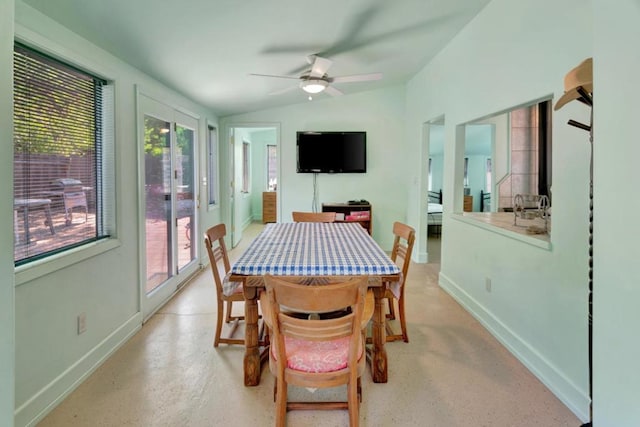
(220,267)
(312,351)
(404,238)
(313,216)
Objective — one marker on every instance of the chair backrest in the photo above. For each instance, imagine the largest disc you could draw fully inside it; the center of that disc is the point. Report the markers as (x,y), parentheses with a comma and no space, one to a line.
(217,250)
(315,298)
(403,241)
(313,216)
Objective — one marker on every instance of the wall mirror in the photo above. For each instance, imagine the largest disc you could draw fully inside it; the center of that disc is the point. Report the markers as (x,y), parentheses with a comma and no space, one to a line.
(507,154)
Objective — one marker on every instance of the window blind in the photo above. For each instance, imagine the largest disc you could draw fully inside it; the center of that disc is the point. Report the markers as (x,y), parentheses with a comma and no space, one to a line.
(59,129)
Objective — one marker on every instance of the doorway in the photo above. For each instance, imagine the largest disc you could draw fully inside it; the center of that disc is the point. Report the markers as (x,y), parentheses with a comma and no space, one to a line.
(431,232)
(254,159)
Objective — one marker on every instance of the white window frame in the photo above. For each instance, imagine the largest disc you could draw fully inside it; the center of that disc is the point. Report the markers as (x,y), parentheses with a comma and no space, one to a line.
(213,198)
(270,147)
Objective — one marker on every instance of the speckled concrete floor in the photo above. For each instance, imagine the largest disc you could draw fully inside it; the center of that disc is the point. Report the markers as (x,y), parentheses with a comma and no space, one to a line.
(452,373)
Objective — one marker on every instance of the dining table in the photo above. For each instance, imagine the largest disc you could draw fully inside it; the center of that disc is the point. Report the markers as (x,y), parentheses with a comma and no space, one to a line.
(314,254)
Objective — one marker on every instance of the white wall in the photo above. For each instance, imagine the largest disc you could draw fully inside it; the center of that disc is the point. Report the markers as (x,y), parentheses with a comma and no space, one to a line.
(379,113)
(7,339)
(616,387)
(50,356)
(514,53)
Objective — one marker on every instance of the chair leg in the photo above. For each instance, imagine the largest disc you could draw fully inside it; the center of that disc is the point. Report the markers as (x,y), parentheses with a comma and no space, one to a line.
(392,310)
(281,402)
(216,340)
(391,336)
(263,336)
(229,308)
(403,321)
(352,402)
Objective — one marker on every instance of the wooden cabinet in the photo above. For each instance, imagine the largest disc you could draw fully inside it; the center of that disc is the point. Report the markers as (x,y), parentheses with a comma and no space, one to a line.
(468,204)
(269,207)
(346,210)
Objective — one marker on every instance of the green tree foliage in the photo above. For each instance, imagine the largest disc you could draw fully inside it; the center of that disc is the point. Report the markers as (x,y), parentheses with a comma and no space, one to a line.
(54,106)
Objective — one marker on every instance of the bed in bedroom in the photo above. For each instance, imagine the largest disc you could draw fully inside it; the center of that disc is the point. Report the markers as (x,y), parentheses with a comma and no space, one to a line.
(434,213)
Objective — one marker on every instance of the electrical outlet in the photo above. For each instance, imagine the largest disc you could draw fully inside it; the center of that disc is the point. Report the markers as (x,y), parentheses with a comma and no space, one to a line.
(487,284)
(82,323)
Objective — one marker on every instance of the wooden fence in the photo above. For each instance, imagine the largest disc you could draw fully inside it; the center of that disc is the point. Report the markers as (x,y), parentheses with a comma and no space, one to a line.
(35,174)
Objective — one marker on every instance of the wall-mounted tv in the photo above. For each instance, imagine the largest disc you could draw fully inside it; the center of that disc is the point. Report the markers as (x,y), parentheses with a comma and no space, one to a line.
(331,152)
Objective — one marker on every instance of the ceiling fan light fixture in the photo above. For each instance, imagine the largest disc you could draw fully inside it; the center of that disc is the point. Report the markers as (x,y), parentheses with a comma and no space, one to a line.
(313,85)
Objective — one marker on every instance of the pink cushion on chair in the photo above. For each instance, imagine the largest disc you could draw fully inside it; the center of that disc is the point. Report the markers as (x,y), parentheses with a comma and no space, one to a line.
(317,356)
(239,289)
(229,288)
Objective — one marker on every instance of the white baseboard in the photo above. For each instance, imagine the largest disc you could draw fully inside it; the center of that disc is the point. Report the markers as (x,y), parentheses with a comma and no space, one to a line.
(247,222)
(575,399)
(40,404)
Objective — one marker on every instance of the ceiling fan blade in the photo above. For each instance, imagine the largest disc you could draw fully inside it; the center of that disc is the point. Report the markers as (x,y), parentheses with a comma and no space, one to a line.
(356,78)
(293,48)
(420,27)
(351,31)
(271,75)
(285,90)
(352,37)
(320,66)
(353,27)
(299,70)
(333,91)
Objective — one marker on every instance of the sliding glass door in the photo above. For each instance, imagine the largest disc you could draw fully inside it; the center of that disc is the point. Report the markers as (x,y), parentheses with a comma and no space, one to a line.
(185,206)
(157,185)
(169,203)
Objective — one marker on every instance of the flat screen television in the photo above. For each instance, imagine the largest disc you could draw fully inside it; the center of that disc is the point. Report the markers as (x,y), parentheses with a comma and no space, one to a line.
(331,152)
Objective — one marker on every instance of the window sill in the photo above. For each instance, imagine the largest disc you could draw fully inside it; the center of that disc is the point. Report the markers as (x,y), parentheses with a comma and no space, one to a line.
(33,270)
(502,223)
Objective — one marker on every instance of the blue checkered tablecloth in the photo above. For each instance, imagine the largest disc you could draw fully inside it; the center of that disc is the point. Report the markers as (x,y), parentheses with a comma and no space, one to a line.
(314,249)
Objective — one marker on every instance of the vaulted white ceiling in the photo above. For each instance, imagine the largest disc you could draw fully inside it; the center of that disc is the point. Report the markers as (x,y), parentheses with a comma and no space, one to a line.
(206,49)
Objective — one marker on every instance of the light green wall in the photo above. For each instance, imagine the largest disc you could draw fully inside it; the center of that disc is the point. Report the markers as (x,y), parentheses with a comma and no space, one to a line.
(50,357)
(7,338)
(260,140)
(510,54)
(616,386)
(380,113)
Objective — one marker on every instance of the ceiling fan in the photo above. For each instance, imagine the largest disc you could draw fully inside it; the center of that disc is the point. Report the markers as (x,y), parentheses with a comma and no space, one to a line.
(316,79)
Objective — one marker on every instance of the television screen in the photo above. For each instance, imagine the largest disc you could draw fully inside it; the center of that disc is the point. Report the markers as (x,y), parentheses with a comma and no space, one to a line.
(332,152)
